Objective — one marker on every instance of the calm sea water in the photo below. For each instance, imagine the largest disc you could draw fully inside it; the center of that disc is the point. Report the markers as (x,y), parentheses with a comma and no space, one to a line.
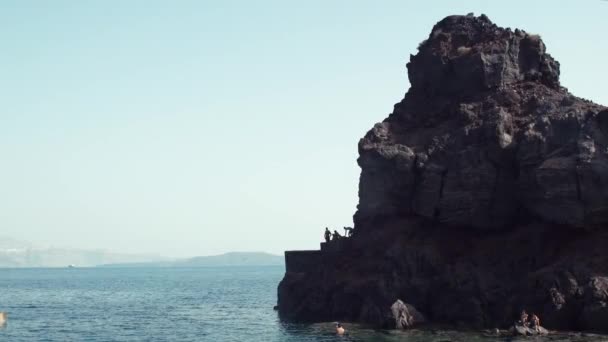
(169,304)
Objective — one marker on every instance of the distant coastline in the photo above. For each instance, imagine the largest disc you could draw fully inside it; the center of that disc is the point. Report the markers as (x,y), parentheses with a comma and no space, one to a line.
(222,260)
(23,254)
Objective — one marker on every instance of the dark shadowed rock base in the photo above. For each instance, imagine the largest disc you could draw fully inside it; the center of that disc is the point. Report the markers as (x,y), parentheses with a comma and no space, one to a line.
(485,192)
(459,277)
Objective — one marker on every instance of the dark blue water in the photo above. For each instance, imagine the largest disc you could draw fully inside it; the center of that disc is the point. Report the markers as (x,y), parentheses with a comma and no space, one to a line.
(165,304)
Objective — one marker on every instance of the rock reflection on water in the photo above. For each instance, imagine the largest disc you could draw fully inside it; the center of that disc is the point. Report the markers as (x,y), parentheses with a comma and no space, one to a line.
(356,333)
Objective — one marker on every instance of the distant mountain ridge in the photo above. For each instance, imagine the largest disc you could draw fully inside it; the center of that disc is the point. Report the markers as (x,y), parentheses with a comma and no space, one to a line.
(226,259)
(15,253)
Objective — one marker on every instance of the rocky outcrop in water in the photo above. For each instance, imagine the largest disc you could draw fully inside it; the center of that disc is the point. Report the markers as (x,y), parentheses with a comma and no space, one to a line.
(519,330)
(483,193)
(405,315)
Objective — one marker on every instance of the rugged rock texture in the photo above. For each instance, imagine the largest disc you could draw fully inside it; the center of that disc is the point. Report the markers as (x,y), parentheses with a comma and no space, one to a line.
(519,330)
(486,136)
(484,192)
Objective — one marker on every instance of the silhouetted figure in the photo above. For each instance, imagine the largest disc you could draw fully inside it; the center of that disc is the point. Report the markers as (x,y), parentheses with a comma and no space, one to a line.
(336,236)
(327,234)
(348,231)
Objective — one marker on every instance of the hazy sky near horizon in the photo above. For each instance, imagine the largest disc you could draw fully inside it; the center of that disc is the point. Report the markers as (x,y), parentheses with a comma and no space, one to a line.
(199,127)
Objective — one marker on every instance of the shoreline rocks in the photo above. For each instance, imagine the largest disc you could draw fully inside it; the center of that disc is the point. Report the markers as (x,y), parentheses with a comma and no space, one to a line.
(405,315)
(520,330)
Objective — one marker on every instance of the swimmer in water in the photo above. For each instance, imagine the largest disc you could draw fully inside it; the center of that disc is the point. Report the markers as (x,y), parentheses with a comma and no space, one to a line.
(339,329)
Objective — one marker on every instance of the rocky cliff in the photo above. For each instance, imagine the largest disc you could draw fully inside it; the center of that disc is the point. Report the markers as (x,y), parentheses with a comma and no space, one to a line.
(484,192)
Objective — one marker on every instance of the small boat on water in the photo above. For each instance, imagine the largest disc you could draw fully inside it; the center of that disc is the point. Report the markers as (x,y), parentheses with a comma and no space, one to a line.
(71,266)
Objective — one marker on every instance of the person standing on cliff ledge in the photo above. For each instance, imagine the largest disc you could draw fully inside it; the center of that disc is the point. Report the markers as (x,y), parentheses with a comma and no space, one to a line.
(327,234)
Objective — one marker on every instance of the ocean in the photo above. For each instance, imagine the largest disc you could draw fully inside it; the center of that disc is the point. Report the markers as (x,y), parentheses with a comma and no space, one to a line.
(172,304)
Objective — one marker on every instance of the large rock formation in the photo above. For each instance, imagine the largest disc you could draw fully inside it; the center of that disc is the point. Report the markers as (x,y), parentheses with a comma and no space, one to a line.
(484,192)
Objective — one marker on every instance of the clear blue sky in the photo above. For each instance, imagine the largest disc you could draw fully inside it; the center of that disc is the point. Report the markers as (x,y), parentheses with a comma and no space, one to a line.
(199,127)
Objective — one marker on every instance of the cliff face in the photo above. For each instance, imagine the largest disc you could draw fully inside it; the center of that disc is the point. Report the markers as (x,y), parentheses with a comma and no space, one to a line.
(484,192)
(486,136)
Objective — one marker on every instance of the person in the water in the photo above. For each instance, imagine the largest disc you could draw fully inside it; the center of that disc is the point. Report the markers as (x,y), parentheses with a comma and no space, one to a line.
(535,323)
(339,329)
(523,319)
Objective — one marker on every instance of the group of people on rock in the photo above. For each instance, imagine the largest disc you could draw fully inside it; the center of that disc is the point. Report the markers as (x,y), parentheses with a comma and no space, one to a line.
(329,236)
(529,321)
